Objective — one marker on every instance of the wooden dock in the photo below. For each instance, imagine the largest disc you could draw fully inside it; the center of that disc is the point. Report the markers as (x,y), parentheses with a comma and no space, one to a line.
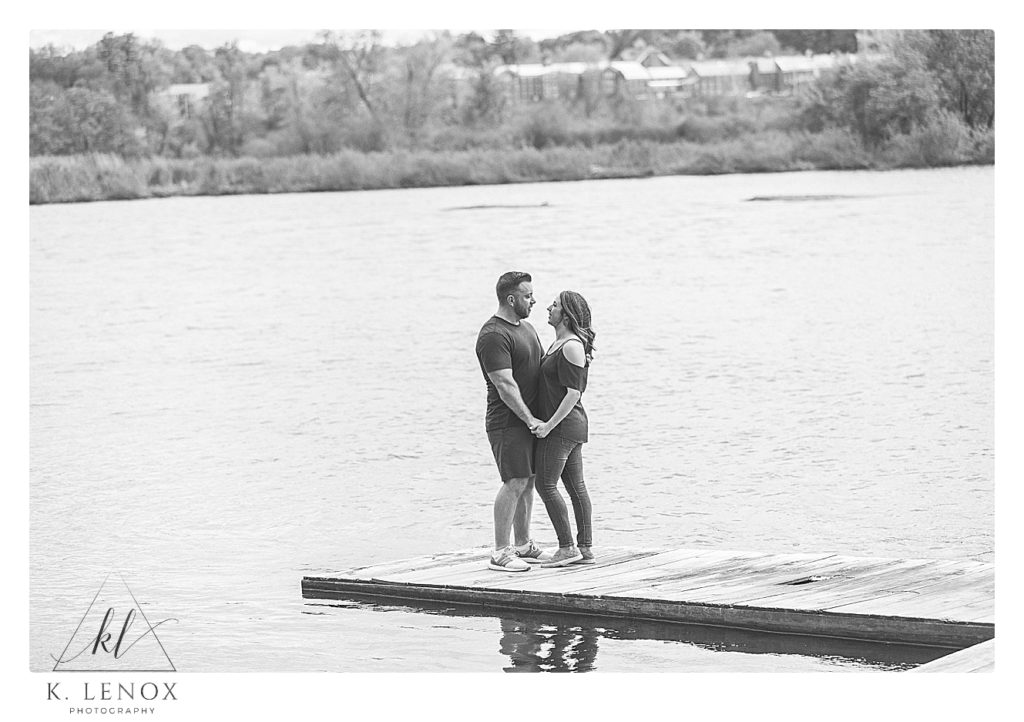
(937,602)
(979,658)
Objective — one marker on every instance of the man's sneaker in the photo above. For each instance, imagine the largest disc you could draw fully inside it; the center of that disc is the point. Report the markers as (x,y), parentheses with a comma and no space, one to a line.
(507,561)
(587,556)
(564,556)
(532,554)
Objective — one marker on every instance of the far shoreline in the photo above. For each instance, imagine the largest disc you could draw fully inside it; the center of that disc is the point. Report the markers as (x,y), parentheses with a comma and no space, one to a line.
(100,177)
(512,182)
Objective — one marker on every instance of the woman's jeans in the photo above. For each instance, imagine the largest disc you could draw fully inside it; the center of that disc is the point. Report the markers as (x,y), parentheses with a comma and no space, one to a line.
(558,457)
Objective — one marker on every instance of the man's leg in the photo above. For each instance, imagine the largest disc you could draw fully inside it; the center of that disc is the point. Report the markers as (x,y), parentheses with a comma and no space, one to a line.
(524,512)
(506,506)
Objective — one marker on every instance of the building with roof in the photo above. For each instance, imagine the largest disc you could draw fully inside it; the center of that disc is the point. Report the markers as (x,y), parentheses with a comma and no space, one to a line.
(797,72)
(780,75)
(721,77)
(533,82)
(632,79)
(654,76)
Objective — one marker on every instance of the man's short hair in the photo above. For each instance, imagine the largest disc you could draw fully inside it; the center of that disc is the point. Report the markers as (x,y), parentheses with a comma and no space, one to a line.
(509,282)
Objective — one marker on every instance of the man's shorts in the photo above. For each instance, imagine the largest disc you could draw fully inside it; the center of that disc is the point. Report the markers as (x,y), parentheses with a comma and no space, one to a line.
(513,451)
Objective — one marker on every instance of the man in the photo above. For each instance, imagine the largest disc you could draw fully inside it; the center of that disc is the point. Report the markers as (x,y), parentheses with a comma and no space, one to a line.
(509,352)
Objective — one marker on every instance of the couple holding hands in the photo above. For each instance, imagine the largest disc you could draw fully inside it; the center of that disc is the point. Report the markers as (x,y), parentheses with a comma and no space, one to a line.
(536,423)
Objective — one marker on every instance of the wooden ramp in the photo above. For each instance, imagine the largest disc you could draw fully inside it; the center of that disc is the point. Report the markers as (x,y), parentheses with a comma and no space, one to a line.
(940,602)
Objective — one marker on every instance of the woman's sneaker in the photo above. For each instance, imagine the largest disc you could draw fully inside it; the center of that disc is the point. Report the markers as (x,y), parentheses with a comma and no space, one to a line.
(532,554)
(587,556)
(564,556)
(506,560)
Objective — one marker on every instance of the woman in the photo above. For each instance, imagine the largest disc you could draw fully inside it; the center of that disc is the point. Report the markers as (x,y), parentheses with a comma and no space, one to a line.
(563,379)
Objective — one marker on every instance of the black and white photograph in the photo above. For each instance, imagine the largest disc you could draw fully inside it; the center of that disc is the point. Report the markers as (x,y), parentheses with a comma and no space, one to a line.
(354,353)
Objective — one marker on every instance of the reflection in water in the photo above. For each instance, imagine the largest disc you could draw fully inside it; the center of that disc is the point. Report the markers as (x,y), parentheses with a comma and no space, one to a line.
(548,647)
(556,642)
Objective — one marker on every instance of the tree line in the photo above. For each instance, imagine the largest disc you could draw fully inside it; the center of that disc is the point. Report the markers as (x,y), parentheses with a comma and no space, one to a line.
(350,90)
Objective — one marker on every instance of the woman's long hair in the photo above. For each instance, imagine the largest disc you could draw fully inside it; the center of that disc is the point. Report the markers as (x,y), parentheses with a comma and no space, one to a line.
(576,312)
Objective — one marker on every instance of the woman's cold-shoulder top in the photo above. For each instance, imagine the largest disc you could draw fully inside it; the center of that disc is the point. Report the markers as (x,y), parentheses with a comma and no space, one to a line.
(557,374)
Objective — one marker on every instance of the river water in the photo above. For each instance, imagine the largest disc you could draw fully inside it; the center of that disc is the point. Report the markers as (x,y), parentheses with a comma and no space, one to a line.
(229,393)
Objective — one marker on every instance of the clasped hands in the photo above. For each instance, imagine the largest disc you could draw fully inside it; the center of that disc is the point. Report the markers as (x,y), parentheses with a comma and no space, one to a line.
(540,428)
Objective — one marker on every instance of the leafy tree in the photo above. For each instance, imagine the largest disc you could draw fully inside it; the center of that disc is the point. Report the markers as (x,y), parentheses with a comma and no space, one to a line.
(964,63)
(360,57)
(762,42)
(585,37)
(514,49)
(185,139)
(719,42)
(892,96)
(49,117)
(418,83)
(78,120)
(194,64)
(277,93)
(577,53)
(131,71)
(619,41)
(586,46)
(52,64)
(818,41)
(486,103)
(681,43)
(472,50)
(225,112)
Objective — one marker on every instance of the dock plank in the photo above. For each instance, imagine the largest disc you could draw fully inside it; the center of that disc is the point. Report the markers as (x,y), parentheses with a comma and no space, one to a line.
(911,604)
(895,578)
(977,658)
(948,589)
(436,560)
(690,588)
(709,563)
(611,567)
(576,577)
(761,587)
(722,571)
(829,594)
(939,602)
(483,576)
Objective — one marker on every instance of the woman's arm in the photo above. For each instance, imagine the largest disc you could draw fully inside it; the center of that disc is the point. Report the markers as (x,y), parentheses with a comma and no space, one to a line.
(568,401)
(574,355)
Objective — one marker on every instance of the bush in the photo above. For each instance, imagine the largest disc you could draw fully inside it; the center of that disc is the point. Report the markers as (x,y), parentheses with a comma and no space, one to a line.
(260,148)
(458,138)
(697,129)
(833,149)
(722,105)
(983,145)
(548,124)
(944,140)
(60,180)
(364,135)
(84,178)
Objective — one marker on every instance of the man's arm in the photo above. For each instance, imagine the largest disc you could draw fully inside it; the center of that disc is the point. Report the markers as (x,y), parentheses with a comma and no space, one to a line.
(508,390)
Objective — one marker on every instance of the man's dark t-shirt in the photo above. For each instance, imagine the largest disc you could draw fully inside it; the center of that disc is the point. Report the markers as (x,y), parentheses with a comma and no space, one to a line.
(502,345)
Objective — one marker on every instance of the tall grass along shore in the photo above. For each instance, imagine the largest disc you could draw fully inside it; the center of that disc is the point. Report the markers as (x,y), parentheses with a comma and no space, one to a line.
(96,177)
